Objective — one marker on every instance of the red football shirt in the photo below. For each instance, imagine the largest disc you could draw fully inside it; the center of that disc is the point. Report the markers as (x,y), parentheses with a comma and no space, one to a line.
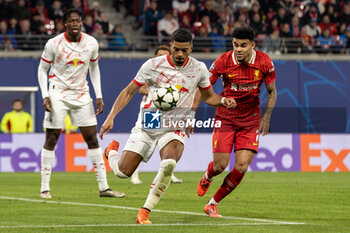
(242,81)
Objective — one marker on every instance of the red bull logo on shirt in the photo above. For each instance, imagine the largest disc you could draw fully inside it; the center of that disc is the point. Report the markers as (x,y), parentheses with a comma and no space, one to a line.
(75,62)
(182,89)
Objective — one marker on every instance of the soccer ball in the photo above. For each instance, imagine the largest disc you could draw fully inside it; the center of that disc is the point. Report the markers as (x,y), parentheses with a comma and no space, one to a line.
(166,97)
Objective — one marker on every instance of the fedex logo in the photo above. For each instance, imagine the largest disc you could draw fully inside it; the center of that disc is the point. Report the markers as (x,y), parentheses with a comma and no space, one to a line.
(306,153)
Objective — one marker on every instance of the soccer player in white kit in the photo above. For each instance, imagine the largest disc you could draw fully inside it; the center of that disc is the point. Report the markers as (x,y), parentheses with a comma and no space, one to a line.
(177,69)
(71,55)
(159,51)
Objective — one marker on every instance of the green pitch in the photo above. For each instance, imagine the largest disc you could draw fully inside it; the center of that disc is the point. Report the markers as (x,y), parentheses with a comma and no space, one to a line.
(264,202)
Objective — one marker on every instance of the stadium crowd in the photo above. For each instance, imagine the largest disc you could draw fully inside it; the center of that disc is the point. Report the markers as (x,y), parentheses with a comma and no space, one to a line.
(282,26)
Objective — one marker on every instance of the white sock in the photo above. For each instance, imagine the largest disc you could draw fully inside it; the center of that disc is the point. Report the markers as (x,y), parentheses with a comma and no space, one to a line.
(113,160)
(99,166)
(135,175)
(212,202)
(47,157)
(160,183)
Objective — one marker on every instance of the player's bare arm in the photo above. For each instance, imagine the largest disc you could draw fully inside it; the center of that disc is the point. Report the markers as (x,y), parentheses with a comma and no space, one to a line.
(143,90)
(215,100)
(271,101)
(197,100)
(122,100)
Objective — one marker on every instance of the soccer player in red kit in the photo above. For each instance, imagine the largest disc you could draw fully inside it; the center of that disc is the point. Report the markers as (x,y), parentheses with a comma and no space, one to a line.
(242,70)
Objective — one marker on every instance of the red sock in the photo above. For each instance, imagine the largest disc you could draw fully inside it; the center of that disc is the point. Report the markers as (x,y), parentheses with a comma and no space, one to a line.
(231,181)
(210,171)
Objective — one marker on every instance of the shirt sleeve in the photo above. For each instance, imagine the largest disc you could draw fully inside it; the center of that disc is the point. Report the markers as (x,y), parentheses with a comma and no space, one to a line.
(215,70)
(144,73)
(4,123)
(204,82)
(270,75)
(94,55)
(48,54)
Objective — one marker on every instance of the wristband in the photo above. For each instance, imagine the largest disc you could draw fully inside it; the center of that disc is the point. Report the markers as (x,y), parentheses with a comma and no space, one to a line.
(223,100)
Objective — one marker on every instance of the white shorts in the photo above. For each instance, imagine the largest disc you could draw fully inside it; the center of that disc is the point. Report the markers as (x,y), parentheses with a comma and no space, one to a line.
(145,143)
(80,115)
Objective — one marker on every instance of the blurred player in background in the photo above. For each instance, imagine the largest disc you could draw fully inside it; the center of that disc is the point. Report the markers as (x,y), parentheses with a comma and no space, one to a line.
(160,51)
(174,69)
(70,55)
(243,70)
(17,121)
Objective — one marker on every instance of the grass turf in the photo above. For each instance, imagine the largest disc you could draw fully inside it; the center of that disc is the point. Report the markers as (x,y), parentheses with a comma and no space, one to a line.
(320,200)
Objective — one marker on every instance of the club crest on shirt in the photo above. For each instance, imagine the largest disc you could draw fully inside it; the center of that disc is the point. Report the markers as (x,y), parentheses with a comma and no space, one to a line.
(256,74)
(75,62)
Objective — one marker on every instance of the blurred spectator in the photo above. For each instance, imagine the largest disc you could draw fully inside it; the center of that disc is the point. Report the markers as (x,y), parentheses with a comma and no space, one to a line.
(35,23)
(78,4)
(295,27)
(326,23)
(186,23)
(282,17)
(312,13)
(306,41)
(205,22)
(272,26)
(152,17)
(333,16)
(192,13)
(347,36)
(325,42)
(13,27)
(166,26)
(345,16)
(117,39)
(41,10)
(202,42)
(100,37)
(103,21)
(17,121)
(3,10)
(25,40)
(208,11)
(21,10)
(312,29)
(96,11)
(288,44)
(181,5)
(272,43)
(59,28)
(7,41)
(88,24)
(255,9)
(296,11)
(218,41)
(256,24)
(241,22)
(56,11)
(287,5)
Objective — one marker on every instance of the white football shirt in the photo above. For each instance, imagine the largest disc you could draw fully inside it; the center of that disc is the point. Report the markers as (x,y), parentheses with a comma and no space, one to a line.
(70,65)
(158,71)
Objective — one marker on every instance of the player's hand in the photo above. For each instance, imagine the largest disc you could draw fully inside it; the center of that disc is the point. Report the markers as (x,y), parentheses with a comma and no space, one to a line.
(106,127)
(230,102)
(47,104)
(264,125)
(99,106)
(189,130)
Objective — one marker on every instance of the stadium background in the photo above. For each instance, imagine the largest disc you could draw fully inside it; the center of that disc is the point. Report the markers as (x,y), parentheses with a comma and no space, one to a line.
(312,75)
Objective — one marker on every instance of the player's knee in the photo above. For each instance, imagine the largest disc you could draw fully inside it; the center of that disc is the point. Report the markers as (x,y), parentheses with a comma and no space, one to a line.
(51,141)
(92,142)
(241,167)
(219,167)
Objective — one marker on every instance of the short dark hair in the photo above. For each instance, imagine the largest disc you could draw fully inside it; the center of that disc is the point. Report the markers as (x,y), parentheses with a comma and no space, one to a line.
(161,47)
(16,100)
(70,11)
(181,35)
(244,33)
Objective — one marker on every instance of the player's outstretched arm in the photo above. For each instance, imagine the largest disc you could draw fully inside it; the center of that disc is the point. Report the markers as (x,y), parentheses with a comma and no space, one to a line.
(270,104)
(143,90)
(196,102)
(122,100)
(215,100)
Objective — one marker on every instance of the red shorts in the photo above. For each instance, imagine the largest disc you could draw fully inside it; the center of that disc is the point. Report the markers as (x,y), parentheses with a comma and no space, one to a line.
(246,137)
